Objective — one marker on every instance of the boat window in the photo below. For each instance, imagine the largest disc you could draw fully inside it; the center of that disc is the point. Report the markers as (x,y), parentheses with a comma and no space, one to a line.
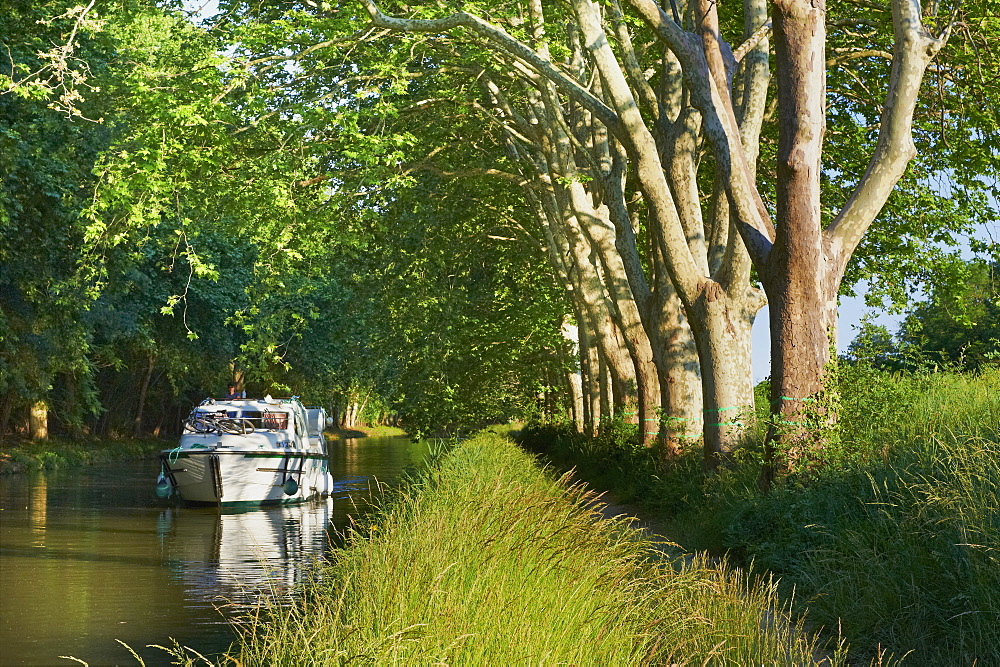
(206,414)
(267,420)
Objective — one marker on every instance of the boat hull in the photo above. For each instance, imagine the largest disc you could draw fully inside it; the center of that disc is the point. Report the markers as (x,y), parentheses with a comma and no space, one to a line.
(229,477)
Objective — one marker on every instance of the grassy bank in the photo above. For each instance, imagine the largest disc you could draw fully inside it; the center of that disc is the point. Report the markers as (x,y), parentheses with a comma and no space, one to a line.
(489,560)
(364,432)
(898,545)
(18,456)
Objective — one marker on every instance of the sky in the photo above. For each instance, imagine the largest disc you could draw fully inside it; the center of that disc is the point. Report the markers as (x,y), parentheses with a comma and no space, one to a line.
(852,310)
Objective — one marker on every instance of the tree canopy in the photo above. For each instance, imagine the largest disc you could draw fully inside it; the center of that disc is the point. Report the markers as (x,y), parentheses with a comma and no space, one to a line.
(410,205)
(168,234)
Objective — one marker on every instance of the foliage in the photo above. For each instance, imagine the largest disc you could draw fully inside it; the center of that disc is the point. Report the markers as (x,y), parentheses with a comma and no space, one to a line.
(475,312)
(493,548)
(45,159)
(199,233)
(19,457)
(957,327)
(897,546)
(946,196)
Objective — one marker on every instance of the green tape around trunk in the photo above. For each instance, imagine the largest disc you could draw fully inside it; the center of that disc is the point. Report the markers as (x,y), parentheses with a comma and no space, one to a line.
(805,400)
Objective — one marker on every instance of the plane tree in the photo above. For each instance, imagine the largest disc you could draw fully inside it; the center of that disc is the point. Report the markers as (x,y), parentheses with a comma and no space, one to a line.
(632,131)
(799,255)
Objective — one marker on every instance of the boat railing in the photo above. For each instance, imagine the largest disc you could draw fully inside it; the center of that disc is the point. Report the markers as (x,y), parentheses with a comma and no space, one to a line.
(237,422)
(267,421)
(210,423)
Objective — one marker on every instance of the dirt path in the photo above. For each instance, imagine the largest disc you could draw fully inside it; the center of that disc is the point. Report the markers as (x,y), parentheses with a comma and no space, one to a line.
(609,508)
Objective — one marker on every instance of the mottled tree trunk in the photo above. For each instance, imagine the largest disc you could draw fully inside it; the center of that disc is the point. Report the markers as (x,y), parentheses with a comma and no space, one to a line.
(38,421)
(574,378)
(606,394)
(722,334)
(590,363)
(574,384)
(797,278)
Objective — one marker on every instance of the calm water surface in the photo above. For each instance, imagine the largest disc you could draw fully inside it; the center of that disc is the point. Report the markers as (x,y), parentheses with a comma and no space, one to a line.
(88,557)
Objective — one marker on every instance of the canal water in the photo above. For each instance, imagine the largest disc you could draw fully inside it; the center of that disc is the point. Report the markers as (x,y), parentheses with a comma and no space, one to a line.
(90,558)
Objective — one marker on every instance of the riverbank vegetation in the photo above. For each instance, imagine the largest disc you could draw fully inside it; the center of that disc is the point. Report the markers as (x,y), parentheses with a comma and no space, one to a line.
(378,431)
(18,456)
(404,231)
(896,546)
(488,559)
(566,212)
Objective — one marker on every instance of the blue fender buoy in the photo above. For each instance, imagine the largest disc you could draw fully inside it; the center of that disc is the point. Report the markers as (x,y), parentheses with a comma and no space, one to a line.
(163,487)
(291,487)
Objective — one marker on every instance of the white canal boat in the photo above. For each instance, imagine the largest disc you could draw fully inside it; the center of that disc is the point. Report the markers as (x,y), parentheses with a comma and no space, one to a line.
(248,451)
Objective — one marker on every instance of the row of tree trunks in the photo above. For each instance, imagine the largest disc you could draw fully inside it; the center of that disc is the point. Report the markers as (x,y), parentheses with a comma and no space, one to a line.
(599,150)
(352,414)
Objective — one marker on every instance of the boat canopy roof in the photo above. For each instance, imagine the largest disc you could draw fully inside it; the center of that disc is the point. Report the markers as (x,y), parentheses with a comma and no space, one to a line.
(266,404)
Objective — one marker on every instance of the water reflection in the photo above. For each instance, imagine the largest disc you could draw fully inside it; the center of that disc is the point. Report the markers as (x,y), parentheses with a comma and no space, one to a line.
(234,556)
(38,509)
(89,557)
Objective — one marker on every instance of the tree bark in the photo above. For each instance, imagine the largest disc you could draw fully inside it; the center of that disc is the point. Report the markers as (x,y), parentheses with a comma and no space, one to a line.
(5,409)
(606,394)
(574,378)
(143,388)
(38,421)
(722,332)
(681,382)
(590,362)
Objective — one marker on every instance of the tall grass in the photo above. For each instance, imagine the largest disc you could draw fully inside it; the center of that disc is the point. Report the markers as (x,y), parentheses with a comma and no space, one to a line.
(898,546)
(490,560)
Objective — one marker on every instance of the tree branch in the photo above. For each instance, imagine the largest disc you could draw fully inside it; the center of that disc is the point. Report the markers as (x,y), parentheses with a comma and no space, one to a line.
(684,269)
(913,51)
(507,43)
(632,67)
(760,34)
(851,55)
